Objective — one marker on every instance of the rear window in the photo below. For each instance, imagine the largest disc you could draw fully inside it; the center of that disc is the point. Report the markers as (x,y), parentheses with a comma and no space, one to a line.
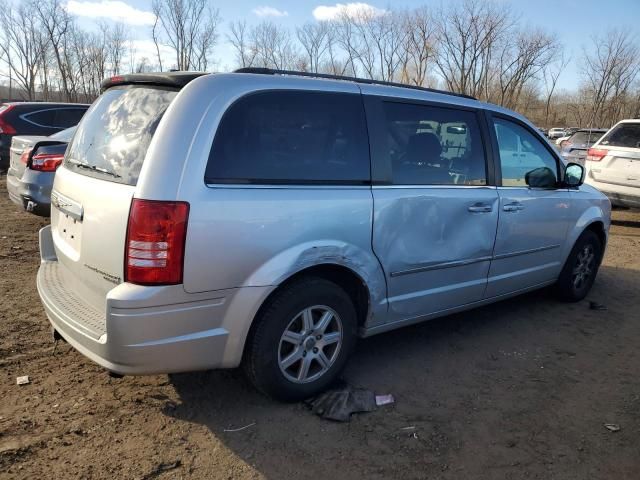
(291,137)
(588,138)
(113,138)
(63,135)
(623,135)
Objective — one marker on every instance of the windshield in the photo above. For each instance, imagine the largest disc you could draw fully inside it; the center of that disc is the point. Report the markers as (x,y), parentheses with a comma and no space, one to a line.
(114,135)
(623,135)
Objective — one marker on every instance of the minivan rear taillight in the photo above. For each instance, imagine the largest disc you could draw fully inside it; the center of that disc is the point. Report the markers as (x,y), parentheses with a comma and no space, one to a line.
(596,154)
(46,162)
(155,242)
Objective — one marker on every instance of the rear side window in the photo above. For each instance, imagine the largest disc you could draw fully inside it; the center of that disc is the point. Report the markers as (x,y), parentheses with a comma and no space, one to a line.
(291,137)
(42,118)
(113,138)
(585,138)
(433,146)
(68,117)
(623,135)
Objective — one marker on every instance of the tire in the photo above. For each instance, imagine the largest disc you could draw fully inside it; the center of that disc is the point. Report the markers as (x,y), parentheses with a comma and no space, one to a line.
(580,269)
(291,367)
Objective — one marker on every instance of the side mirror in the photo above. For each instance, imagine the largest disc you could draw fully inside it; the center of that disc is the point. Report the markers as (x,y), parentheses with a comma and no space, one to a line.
(542,177)
(573,175)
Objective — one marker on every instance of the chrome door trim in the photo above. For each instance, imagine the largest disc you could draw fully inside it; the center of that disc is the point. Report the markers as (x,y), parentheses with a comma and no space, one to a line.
(471,261)
(431,187)
(438,266)
(285,186)
(525,252)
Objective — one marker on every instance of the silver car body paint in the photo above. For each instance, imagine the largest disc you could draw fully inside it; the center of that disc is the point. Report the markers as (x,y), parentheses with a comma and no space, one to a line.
(245,240)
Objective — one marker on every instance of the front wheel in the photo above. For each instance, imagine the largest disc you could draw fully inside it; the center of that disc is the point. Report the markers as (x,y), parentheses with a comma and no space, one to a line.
(301,340)
(580,269)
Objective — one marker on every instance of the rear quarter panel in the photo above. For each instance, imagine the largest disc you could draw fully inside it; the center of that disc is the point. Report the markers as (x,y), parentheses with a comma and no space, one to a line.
(254,236)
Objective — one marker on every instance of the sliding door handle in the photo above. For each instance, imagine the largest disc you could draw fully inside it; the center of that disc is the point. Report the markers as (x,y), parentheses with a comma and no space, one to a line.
(513,207)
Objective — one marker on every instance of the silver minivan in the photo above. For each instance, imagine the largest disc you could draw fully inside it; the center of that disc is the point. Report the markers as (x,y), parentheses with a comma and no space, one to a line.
(267,219)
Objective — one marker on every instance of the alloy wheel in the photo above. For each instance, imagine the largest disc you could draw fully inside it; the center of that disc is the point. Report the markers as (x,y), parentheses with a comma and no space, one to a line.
(310,344)
(584,267)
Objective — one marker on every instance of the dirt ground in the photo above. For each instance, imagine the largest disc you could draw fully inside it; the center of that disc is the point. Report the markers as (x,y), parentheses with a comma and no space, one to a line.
(520,389)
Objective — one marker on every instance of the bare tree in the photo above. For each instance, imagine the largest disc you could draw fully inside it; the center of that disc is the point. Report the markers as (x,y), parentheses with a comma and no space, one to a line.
(21,46)
(420,45)
(56,23)
(609,72)
(316,39)
(349,40)
(116,37)
(382,47)
(468,33)
(239,39)
(272,46)
(524,55)
(189,28)
(551,74)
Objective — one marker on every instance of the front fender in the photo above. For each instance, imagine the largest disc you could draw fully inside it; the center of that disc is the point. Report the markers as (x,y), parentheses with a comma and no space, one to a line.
(593,214)
(300,257)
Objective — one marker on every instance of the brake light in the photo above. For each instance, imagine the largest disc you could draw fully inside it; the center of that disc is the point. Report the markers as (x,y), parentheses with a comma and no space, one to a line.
(155,242)
(24,158)
(46,162)
(565,143)
(5,127)
(596,154)
(117,79)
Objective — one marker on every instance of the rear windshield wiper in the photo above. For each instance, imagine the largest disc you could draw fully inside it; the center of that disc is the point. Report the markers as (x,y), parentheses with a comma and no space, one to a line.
(95,168)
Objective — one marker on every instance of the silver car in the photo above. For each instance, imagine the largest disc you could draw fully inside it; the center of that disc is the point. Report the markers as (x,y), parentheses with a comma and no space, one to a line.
(267,219)
(33,164)
(574,149)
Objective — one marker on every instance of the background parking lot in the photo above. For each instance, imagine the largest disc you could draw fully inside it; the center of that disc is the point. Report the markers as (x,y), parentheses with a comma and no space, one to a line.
(519,389)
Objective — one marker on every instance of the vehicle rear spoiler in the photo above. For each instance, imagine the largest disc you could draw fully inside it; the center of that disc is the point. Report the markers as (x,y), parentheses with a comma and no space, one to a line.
(161,79)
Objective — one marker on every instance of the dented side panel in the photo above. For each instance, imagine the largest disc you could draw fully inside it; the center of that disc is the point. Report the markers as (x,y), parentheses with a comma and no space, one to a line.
(434,245)
(260,236)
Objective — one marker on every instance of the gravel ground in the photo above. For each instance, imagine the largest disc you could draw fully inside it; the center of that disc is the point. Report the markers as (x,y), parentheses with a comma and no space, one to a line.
(519,389)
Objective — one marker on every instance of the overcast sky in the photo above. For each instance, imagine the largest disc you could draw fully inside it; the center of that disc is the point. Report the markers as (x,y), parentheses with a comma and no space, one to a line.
(572,20)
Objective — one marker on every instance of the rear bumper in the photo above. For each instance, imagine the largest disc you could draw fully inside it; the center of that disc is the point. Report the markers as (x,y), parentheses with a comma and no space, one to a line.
(34,187)
(619,195)
(148,330)
(623,200)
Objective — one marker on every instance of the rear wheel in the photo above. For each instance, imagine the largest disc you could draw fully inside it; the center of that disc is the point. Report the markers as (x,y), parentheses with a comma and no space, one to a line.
(580,269)
(301,340)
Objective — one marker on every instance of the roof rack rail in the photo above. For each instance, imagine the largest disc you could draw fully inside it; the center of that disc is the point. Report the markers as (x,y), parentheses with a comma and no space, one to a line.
(272,71)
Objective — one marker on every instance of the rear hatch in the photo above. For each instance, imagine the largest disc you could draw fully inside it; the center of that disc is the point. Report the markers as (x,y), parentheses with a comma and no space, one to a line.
(621,164)
(93,190)
(18,146)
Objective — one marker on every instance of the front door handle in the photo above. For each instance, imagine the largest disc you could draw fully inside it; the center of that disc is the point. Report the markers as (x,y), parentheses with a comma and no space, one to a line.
(513,207)
(480,208)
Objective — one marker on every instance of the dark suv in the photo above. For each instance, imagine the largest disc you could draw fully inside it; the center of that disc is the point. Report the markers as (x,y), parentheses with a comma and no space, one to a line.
(34,118)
